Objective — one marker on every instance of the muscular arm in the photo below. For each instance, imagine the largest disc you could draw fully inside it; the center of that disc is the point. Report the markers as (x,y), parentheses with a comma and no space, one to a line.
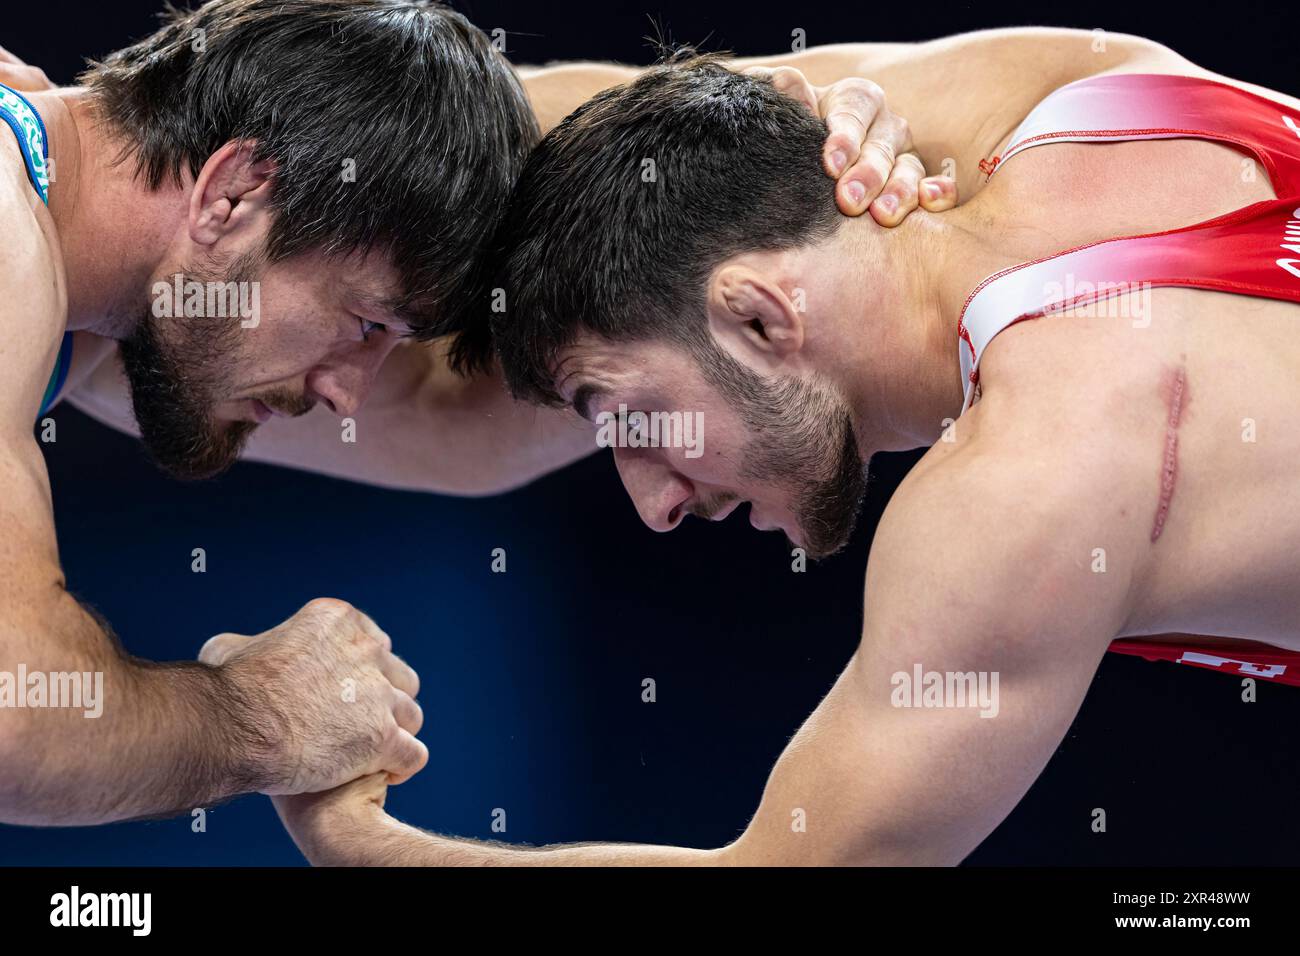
(961,581)
(961,95)
(165,737)
(427,428)
(953,588)
(424,428)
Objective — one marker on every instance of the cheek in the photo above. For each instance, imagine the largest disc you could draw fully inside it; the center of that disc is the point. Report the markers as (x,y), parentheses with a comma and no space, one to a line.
(298,311)
(287,342)
(709,455)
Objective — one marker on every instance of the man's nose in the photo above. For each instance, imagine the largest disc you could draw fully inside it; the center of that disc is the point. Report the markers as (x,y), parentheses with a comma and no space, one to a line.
(344,382)
(659,492)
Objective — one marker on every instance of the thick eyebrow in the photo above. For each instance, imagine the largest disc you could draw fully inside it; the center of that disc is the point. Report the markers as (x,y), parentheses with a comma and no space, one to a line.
(583,398)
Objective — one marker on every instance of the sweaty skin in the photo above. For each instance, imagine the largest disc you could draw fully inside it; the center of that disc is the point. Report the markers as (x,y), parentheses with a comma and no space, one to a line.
(1176,400)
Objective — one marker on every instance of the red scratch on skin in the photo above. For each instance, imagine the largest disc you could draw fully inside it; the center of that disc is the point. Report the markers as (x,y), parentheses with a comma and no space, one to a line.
(1169,465)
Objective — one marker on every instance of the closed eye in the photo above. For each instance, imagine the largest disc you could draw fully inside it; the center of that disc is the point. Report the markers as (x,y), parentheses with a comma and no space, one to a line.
(369,328)
(583,400)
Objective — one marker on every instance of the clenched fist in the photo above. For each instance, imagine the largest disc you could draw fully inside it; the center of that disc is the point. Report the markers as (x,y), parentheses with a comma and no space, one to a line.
(326,699)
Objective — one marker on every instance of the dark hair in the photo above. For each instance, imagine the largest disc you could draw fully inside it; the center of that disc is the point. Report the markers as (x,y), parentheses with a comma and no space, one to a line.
(433,117)
(591,240)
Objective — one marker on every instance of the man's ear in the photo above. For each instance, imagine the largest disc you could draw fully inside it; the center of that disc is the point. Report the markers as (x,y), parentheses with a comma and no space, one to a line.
(230,192)
(750,309)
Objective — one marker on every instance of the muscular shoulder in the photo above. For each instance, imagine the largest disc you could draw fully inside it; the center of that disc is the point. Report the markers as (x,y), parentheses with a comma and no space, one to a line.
(1004,539)
(28,230)
(33,303)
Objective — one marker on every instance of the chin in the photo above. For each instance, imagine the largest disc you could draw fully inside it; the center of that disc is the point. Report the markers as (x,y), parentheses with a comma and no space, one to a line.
(189,457)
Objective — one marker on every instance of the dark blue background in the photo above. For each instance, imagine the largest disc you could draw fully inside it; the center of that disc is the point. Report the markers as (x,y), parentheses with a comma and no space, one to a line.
(532,679)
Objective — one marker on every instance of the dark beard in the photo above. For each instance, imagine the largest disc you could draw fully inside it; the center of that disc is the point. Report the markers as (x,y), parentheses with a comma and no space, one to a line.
(804,442)
(175,386)
(828,510)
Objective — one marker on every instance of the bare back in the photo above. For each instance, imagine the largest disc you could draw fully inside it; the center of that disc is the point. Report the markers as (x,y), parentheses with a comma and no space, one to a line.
(1224,550)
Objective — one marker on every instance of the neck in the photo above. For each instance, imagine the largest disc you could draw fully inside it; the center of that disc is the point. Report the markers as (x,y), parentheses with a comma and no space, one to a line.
(112,229)
(901,293)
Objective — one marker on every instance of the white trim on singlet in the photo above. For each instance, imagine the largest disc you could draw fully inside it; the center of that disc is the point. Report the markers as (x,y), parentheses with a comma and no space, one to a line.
(1002,299)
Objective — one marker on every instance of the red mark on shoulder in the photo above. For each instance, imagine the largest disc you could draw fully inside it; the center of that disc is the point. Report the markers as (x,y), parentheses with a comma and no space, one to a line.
(1174,391)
